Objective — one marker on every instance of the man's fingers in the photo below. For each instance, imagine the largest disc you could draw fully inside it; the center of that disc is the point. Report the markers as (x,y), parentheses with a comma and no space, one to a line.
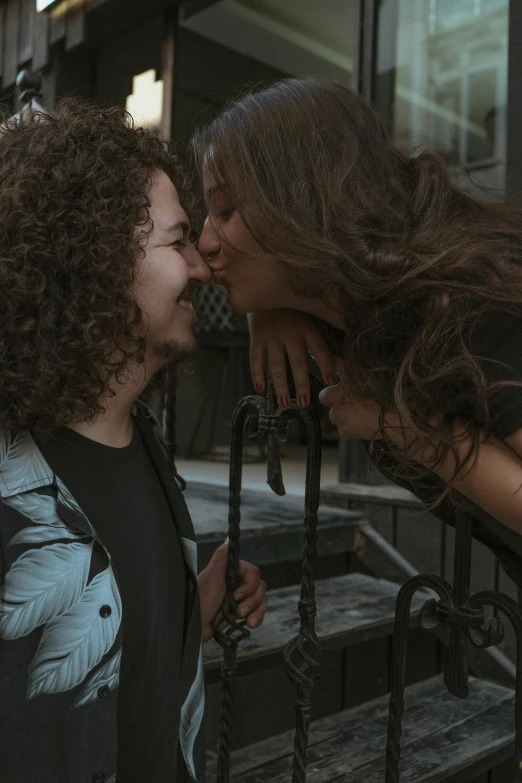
(323,356)
(250,578)
(251,604)
(256,618)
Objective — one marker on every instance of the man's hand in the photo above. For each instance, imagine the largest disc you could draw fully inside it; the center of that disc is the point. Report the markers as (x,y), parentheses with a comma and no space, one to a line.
(250,595)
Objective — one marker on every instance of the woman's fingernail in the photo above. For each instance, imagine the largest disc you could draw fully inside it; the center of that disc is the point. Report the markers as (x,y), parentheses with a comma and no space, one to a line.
(254,623)
(331,380)
(239,597)
(284,402)
(244,611)
(259,388)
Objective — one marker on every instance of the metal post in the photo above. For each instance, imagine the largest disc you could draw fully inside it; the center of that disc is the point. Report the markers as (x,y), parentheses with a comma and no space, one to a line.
(466,618)
(257,417)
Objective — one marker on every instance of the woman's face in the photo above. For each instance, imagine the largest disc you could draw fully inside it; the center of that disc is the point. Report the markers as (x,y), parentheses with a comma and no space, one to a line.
(254,280)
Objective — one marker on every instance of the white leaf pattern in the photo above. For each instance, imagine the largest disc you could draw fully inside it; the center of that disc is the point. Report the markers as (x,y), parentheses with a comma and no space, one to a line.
(73,644)
(108,675)
(21,464)
(42,584)
(67,499)
(44,535)
(192,717)
(40,509)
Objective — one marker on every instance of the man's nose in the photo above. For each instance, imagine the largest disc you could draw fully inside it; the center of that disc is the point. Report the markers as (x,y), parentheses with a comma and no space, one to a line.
(209,244)
(199,270)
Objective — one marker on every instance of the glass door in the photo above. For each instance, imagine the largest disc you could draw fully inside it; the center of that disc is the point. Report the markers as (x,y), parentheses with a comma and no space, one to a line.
(441,82)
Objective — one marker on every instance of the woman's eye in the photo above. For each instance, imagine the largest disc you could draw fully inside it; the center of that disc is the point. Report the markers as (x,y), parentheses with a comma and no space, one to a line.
(226,214)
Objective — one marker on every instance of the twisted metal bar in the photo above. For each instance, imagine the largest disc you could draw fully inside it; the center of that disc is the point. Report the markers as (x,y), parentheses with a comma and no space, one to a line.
(455,668)
(259,419)
(228,630)
(398,667)
(465,616)
(302,653)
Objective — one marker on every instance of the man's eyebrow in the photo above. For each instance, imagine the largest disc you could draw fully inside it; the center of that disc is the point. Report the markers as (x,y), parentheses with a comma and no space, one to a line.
(176,227)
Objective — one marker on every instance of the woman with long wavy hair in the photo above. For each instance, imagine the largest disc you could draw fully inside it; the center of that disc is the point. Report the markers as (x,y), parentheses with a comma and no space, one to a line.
(321,227)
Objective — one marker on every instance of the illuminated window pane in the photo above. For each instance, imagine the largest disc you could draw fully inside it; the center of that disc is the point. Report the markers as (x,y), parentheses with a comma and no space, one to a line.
(146,102)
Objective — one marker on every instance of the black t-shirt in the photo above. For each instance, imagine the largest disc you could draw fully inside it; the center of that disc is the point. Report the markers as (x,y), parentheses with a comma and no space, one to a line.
(121,494)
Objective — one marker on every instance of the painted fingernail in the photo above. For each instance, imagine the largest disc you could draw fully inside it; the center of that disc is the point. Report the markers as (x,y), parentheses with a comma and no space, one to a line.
(254,623)
(331,380)
(259,388)
(244,611)
(284,402)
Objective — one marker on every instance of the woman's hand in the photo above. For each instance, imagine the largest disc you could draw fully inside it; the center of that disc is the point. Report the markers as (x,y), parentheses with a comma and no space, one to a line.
(282,333)
(355,419)
(250,595)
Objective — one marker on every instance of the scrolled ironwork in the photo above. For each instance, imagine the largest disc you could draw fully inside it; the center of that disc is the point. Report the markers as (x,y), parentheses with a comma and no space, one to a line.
(258,418)
(466,619)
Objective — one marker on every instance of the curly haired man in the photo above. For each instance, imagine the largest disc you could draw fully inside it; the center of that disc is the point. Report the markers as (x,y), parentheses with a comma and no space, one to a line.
(102,611)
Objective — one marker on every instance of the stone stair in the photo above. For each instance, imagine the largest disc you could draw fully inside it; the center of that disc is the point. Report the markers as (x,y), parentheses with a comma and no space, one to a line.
(444,738)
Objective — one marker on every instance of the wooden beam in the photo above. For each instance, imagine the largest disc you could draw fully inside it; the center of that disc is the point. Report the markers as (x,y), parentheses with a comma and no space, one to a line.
(56,30)
(27,15)
(168,60)
(12,29)
(75,29)
(41,42)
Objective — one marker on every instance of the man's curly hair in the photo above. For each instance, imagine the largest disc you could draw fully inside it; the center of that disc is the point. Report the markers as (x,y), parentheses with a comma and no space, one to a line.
(73,188)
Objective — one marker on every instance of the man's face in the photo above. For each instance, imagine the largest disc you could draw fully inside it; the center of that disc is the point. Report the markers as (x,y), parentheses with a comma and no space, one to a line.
(167,277)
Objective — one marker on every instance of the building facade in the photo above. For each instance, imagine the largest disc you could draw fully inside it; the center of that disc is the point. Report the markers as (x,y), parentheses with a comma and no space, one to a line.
(443,73)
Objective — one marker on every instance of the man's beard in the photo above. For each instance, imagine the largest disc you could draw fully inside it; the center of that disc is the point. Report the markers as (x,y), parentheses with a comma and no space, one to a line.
(173,352)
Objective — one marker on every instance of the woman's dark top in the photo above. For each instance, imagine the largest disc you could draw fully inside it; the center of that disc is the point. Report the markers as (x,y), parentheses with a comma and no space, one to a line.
(497,339)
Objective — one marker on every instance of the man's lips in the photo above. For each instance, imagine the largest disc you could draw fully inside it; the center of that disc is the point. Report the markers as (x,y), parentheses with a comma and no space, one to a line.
(218,275)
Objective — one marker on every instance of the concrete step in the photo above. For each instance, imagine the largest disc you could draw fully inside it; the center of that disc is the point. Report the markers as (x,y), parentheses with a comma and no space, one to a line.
(443,739)
(345,495)
(271,526)
(351,609)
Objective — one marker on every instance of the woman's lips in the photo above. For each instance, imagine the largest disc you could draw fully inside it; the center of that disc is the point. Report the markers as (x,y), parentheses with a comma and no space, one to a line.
(218,276)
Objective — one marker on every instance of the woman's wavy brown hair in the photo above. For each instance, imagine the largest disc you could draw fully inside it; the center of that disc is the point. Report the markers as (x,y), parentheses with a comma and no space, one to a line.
(73,188)
(414,262)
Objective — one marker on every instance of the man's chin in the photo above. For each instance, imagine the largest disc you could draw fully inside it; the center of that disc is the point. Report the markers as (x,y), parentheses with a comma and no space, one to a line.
(174,351)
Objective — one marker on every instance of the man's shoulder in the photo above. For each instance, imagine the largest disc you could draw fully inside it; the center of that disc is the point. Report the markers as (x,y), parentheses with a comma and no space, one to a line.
(22,465)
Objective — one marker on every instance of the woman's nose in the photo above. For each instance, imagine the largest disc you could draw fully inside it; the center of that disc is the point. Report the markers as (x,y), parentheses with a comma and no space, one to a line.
(208,244)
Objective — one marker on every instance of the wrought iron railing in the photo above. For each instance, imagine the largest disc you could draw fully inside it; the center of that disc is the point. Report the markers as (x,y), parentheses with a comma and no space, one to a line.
(257,417)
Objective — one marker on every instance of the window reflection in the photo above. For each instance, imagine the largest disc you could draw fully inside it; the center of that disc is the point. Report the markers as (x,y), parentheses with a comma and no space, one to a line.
(447,71)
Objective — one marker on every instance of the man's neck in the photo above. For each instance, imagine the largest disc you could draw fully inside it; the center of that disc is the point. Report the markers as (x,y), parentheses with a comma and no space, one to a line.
(114,427)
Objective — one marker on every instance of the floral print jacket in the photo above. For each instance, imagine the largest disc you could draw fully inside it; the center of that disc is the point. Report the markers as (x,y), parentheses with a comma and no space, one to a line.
(60,626)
